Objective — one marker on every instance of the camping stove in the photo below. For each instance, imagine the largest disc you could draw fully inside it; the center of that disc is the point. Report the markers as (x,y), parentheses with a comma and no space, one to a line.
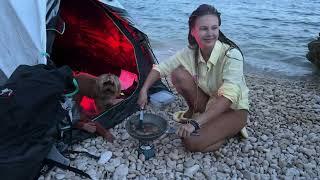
(147,149)
(152,128)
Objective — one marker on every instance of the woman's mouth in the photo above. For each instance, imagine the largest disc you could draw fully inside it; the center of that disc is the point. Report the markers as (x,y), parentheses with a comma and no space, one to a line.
(208,40)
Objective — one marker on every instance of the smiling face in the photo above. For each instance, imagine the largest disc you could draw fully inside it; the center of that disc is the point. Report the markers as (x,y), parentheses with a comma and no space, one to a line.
(206,31)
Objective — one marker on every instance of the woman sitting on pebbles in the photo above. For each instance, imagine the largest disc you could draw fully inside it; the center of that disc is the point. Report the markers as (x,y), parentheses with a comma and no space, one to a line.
(209,75)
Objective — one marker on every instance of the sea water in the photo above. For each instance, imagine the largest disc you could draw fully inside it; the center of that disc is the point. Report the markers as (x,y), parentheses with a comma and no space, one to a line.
(272,34)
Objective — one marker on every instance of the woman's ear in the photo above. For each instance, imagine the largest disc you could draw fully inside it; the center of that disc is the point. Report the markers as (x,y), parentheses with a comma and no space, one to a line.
(192,32)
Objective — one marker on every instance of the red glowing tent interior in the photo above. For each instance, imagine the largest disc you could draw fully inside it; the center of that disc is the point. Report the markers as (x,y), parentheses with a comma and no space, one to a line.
(95,44)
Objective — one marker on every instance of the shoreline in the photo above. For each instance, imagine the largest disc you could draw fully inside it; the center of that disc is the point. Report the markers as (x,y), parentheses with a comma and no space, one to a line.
(314,76)
(311,78)
(310,71)
(284,142)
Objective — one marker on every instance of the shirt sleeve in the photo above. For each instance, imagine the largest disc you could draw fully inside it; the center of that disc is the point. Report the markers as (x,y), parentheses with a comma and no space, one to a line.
(232,76)
(166,67)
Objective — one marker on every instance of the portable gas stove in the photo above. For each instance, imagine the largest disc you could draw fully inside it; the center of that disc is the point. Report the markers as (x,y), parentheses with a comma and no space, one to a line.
(147,149)
(146,129)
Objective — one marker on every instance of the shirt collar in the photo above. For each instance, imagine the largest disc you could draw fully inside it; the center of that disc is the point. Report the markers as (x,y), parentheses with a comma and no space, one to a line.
(215,54)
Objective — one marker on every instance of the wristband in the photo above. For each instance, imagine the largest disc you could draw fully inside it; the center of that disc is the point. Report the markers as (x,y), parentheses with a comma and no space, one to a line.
(195,124)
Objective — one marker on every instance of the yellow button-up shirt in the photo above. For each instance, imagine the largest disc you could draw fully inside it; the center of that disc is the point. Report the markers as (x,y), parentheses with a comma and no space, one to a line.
(222,74)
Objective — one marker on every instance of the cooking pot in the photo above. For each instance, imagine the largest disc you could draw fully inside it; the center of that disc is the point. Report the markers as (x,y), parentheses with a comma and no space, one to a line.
(151,128)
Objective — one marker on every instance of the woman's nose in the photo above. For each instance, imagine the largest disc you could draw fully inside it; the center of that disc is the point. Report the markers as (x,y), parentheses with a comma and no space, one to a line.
(212,31)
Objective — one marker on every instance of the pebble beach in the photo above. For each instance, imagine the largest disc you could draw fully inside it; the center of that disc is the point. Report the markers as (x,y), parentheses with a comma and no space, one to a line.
(283,143)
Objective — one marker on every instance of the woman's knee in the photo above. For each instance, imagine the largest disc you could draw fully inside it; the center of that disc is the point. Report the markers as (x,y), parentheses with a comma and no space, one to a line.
(180,75)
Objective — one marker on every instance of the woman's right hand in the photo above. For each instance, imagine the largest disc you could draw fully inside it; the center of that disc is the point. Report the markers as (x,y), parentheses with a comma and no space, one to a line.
(153,76)
(143,98)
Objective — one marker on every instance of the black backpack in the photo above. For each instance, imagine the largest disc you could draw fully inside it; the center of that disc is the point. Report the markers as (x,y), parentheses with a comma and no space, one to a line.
(31,117)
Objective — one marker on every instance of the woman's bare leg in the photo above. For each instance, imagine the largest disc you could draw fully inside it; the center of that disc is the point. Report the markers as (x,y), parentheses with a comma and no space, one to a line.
(215,132)
(187,87)
(213,147)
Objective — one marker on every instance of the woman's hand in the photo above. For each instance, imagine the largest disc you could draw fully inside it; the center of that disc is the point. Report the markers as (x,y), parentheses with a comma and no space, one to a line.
(143,98)
(153,76)
(185,130)
(90,127)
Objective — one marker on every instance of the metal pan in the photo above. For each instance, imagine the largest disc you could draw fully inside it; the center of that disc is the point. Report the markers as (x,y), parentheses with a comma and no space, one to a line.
(153,127)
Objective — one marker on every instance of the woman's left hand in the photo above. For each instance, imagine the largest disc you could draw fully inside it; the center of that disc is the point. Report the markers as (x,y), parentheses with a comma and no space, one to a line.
(185,130)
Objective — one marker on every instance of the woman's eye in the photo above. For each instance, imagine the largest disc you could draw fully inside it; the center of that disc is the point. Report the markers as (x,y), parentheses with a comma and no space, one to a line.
(203,28)
(214,27)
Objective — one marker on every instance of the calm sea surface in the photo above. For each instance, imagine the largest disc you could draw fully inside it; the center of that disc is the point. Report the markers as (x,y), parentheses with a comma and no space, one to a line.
(272,34)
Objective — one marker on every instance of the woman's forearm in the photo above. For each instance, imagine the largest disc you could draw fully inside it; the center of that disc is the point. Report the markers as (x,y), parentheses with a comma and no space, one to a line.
(151,79)
(220,105)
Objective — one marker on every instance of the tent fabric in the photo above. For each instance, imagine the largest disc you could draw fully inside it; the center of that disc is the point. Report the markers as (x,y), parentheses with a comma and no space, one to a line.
(52,9)
(112,3)
(23,34)
(3,78)
(99,38)
(91,42)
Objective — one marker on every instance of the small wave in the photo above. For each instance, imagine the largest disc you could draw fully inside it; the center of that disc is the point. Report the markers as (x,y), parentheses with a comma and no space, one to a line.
(140,8)
(303,13)
(297,61)
(278,67)
(267,18)
(157,44)
(307,23)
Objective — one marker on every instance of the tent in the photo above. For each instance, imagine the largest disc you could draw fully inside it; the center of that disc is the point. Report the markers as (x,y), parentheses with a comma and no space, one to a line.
(93,36)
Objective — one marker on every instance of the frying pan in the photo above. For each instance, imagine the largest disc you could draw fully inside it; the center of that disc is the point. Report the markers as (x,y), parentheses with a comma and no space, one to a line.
(153,127)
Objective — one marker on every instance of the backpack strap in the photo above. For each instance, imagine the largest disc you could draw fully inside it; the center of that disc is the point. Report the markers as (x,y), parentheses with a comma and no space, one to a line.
(52,163)
(76,85)
(55,158)
(82,152)
(55,155)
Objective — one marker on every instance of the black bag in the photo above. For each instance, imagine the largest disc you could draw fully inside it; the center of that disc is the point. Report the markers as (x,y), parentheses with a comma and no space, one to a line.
(30,114)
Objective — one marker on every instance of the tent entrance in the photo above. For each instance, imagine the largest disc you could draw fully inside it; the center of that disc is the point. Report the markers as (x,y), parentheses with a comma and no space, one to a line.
(100,39)
(92,43)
